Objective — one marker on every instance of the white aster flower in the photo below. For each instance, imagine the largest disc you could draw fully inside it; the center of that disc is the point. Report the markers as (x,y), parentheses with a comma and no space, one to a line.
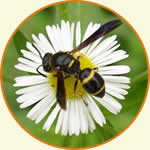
(39,92)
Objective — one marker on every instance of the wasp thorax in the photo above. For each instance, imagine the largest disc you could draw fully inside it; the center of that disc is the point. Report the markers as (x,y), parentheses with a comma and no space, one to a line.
(85,62)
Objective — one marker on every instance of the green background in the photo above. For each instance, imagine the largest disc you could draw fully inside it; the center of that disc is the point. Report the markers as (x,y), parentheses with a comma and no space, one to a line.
(85,13)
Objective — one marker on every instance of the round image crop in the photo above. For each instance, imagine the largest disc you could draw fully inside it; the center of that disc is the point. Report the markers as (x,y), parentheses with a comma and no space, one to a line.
(74,74)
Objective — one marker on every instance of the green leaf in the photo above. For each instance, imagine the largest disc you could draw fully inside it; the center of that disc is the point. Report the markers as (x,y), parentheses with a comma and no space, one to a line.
(19,41)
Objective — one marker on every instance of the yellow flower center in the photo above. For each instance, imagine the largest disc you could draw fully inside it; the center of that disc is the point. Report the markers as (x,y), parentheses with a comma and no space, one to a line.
(69,82)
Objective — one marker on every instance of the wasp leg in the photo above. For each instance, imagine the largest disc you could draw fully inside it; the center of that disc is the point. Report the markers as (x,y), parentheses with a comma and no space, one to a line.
(75,87)
(85,102)
(96,69)
(37,69)
(78,57)
(57,68)
(55,75)
(66,77)
(81,98)
(69,53)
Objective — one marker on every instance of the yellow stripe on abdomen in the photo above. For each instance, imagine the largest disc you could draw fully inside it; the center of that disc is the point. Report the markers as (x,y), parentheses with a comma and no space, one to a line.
(99,91)
(89,77)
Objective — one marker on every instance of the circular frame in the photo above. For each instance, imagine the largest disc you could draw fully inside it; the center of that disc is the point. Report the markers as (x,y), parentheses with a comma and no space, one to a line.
(148,68)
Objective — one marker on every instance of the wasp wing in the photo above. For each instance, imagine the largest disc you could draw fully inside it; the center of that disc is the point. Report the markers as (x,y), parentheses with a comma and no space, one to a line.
(61,93)
(104,29)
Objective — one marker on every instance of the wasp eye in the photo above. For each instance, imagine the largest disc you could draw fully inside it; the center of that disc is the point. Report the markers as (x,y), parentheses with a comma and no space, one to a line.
(46,62)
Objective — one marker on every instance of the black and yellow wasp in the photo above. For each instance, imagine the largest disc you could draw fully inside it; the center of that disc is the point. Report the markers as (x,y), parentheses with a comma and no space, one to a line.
(65,63)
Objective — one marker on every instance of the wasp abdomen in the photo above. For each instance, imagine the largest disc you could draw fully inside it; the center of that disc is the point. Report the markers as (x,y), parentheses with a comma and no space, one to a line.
(92,82)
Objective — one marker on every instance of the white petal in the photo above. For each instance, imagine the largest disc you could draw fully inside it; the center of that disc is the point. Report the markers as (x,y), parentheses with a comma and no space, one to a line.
(60,120)
(112,59)
(28,62)
(72,118)
(25,68)
(31,98)
(117,53)
(66,36)
(51,118)
(95,111)
(44,44)
(77,126)
(31,48)
(78,34)
(32,56)
(39,111)
(30,80)
(31,89)
(35,38)
(110,103)
(92,48)
(42,114)
(83,117)
(42,103)
(35,115)
(63,34)
(114,93)
(103,55)
(103,46)
(114,70)
(72,34)
(117,79)
(45,111)
(95,43)
(38,44)
(117,87)
(61,37)
(57,35)
(65,122)
(88,31)
(53,37)
(95,27)
(91,123)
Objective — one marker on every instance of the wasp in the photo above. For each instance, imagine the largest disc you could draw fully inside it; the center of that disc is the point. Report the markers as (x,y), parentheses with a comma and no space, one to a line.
(66,65)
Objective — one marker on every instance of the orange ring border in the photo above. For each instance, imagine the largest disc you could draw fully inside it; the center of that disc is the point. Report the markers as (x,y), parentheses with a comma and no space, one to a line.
(67,1)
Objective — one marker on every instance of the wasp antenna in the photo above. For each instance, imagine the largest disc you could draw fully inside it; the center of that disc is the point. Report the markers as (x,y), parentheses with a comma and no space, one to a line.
(37,69)
(37,50)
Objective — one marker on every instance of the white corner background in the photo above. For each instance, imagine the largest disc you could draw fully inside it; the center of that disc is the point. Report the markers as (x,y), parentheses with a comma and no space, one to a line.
(12,136)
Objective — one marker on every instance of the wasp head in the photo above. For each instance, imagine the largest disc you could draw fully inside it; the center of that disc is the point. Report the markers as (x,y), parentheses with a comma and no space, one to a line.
(46,62)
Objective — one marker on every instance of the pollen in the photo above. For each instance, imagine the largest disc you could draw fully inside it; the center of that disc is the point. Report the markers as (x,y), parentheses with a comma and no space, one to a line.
(69,82)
